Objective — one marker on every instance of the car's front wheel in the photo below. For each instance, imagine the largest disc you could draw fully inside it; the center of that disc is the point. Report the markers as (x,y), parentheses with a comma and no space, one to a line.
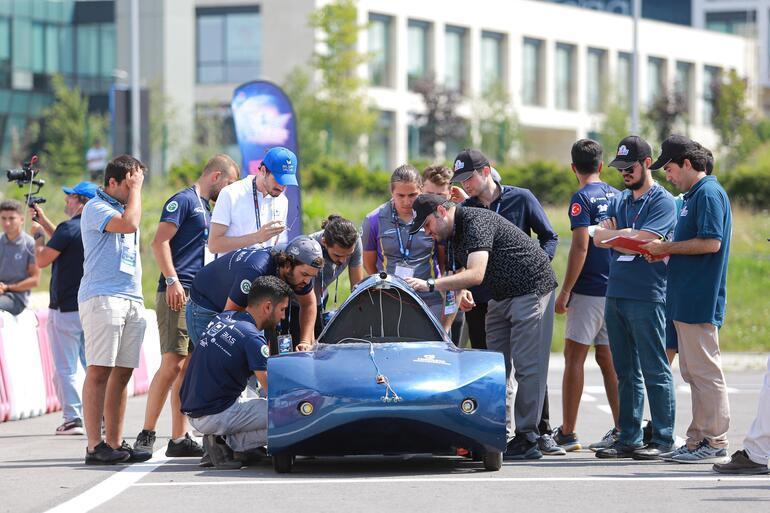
(282,463)
(493,460)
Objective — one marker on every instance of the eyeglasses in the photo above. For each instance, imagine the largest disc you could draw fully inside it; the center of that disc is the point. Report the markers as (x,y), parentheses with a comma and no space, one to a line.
(629,170)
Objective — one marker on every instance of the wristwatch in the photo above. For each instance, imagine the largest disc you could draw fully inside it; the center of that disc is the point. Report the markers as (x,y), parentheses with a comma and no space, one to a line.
(170,280)
(431,284)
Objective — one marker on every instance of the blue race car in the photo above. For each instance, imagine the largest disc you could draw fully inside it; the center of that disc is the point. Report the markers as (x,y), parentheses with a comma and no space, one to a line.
(384,378)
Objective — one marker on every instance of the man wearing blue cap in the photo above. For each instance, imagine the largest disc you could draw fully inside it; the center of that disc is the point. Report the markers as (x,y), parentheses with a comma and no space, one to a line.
(251,213)
(64,251)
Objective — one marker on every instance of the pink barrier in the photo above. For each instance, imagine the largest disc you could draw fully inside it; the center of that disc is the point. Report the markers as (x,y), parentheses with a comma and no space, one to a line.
(46,358)
(141,379)
(5,400)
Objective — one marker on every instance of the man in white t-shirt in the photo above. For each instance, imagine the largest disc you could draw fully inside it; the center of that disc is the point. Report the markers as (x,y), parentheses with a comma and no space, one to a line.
(96,160)
(251,213)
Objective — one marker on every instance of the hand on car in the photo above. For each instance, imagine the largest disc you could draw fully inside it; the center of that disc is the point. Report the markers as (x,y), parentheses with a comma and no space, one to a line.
(417,284)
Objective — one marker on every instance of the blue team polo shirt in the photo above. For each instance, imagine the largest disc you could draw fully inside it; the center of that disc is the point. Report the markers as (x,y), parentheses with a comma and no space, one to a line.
(230,276)
(589,206)
(191,215)
(654,212)
(67,269)
(697,283)
(228,354)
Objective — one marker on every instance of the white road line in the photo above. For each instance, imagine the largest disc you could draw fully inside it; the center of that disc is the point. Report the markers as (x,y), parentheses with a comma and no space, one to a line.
(605,408)
(386,480)
(585,398)
(112,486)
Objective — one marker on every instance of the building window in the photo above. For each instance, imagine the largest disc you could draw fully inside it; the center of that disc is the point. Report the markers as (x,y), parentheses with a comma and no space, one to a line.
(455,58)
(492,67)
(711,77)
(532,74)
(656,78)
(565,76)
(743,23)
(229,44)
(418,45)
(683,84)
(380,142)
(597,70)
(380,50)
(625,77)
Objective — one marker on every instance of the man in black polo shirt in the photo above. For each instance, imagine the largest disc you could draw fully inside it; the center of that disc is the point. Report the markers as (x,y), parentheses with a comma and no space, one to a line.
(65,251)
(485,249)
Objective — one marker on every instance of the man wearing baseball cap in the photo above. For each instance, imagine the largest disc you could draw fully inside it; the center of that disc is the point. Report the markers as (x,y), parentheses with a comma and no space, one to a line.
(252,212)
(64,251)
(485,249)
(635,305)
(697,279)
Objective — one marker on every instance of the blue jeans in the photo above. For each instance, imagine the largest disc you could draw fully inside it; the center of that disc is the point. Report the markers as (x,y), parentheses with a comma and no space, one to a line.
(68,347)
(198,318)
(637,339)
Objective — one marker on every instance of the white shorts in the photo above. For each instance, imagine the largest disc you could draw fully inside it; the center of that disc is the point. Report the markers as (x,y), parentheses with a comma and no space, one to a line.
(585,320)
(114,330)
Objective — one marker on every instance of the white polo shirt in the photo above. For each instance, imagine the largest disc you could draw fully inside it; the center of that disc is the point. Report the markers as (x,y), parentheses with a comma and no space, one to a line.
(235,209)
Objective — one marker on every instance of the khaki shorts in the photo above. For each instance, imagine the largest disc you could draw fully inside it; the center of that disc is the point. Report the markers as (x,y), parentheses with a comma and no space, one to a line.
(172,327)
(114,330)
(585,320)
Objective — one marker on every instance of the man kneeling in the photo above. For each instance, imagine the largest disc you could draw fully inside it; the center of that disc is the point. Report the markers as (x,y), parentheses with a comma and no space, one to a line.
(230,350)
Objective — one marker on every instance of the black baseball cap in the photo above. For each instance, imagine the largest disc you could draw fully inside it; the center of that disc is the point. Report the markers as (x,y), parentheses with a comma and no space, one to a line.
(466,162)
(423,206)
(631,149)
(672,148)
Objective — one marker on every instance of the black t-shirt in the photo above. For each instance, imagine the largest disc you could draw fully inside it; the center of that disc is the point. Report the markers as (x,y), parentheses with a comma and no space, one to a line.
(67,269)
(517,264)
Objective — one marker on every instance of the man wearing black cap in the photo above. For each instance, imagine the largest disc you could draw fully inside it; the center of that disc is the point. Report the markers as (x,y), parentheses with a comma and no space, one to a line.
(519,206)
(486,249)
(698,269)
(634,310)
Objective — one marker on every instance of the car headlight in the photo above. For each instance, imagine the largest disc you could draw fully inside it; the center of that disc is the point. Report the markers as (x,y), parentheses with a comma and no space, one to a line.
(306,408)
(468,406)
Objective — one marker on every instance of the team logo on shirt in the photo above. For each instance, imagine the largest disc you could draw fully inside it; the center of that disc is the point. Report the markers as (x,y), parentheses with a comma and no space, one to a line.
(17,256)
(172,206)
(575,209)
(214,328)
(265,351)
(245,286)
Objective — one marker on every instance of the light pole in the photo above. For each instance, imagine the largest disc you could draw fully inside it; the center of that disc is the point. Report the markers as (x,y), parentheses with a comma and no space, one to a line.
(637,12)
(136,147)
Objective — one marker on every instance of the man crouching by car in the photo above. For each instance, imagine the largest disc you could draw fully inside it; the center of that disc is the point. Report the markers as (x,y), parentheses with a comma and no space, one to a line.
(232,348)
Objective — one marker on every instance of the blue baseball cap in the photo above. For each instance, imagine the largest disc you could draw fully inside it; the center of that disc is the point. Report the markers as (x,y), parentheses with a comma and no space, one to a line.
(87,189)
(282,163)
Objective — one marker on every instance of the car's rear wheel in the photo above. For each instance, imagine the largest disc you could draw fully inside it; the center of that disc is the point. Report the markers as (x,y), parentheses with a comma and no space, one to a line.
(282,463)
(493,460)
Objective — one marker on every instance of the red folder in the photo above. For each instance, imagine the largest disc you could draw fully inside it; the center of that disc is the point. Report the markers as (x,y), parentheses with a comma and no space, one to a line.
(632,244)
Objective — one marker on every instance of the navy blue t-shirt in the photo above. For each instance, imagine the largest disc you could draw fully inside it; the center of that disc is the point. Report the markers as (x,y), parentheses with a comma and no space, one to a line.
(520,207)
(230,351)
(191,215)
(230,276)
(67,269)
(587,207)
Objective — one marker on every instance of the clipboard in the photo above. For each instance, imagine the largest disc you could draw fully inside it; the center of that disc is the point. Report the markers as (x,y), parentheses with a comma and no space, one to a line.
(632,244)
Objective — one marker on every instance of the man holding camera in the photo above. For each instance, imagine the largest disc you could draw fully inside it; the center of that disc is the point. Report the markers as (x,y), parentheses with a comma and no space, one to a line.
(18,272)
(64,252)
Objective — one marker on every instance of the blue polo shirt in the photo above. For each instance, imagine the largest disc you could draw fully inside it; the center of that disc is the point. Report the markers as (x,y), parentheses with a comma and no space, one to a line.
(228,354)
(67,269)
(520,207)
(698,283)
(191,215)
(230,276)
(587,207)
(631,276)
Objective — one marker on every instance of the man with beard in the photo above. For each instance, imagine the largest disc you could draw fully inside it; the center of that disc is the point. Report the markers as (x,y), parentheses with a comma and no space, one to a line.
(635,305)
(251,213)
(180,249)
(231,351)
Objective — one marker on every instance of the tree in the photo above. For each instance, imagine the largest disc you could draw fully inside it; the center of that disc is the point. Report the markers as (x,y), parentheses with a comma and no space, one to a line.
(498,126)
(440,121)
(731,118)
(665,111)
(614,128)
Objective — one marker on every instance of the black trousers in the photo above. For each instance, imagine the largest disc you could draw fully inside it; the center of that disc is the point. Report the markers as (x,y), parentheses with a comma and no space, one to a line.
(478,335)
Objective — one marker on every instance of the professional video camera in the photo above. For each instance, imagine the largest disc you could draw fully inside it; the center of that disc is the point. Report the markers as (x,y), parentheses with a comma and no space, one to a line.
(26,176)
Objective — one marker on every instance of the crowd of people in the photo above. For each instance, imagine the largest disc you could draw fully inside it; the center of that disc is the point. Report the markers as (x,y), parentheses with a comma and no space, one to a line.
(645,280)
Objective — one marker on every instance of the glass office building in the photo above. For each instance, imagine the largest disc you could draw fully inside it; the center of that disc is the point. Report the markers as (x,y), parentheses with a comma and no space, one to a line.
(41,38)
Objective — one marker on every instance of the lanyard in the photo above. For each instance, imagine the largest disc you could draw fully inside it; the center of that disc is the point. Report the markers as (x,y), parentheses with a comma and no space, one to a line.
(203,209)
(256,202)
(405,251)
(451,255)
(323,288)
(636,217)
(113,202)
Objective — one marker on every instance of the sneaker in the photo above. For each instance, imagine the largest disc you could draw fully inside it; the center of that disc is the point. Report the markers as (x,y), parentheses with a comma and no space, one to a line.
(205,461)
(251,457)
(135,455)
(103,454)
(187,448)
(741,464)
(568,442)
(549,447)
(652,451)
(667,456)
(704,453)
(71,427)
(617,451)
(609,438)
(145,441)
(522,449)
(220,454)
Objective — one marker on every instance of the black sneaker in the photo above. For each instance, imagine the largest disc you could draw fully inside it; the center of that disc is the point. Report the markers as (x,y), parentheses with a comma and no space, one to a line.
(145,441)
(135,455)
(70,427)
(617,451)
(220,454)
(569,442)
(187,448)
(652,451)
(105,455)
(522,449)
(251,457)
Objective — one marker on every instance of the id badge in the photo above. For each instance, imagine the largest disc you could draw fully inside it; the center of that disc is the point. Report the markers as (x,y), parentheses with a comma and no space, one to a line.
(128,258)
(626,258)
(403,271)
(285,344)
(450,303)
(208,256)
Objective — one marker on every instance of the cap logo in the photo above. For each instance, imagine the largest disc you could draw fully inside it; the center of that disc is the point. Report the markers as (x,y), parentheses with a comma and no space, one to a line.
(294,250)
(622,151)
(288,167)
(459,164)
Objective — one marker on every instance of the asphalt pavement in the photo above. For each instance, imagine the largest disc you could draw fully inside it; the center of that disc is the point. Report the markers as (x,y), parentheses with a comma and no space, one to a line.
(40,472)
